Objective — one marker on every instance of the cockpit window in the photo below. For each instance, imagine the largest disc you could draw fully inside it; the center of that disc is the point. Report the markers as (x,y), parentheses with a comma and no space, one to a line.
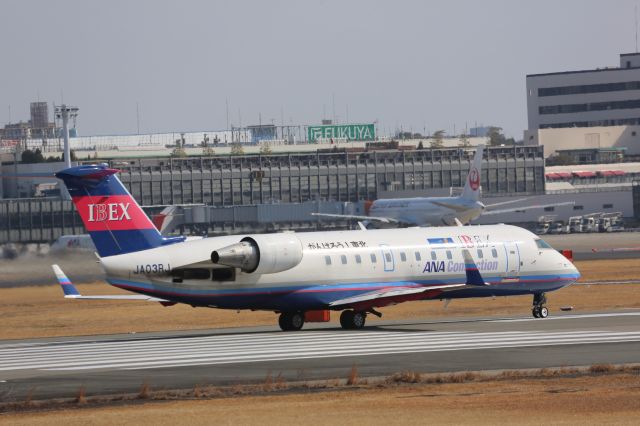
(543,244)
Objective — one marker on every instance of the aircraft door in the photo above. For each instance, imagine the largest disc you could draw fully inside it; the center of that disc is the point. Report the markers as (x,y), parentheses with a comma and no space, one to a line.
(513,259)
(387,258)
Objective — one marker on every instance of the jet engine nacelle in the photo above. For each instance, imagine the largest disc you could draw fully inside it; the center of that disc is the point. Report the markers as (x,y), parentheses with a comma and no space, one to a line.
(261,254)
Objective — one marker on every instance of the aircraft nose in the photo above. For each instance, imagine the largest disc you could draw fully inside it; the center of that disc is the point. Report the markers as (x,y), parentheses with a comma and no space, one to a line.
(569,266)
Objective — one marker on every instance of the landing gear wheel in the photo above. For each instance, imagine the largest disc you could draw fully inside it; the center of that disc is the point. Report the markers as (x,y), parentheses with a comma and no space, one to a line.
(291,321)
(352,320)
(539,310)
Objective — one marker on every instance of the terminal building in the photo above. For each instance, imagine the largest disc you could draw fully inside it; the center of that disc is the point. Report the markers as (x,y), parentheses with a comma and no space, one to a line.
(323,178)
(597,108)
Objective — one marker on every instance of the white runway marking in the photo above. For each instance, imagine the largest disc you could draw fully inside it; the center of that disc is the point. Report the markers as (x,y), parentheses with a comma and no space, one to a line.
(277,346)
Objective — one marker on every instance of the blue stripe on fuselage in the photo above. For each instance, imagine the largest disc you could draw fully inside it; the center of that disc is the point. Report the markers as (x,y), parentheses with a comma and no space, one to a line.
(319,296)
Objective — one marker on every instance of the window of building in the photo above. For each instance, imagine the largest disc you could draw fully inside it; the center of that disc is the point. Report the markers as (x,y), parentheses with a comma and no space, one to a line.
(403,256)
(607,206)
(589,88)
(418,256)
(549,209)
(343,259)
(578,207)
(358,258)
(373,258)
(327,260)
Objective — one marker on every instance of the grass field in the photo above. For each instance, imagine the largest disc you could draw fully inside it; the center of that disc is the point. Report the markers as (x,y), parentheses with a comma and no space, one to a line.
(28,312)
(600,399)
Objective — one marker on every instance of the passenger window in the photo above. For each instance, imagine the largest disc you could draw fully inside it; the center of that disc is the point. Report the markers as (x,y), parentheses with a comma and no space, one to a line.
(480,254)
(327,260)
(358,258)
(373,258)
(343,259)
(418,256)
(494,252)
(387,256)
(449,256)
(403,256)
(434,256)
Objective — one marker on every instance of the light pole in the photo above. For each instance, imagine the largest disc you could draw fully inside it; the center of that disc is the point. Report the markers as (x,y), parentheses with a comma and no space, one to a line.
(64,112)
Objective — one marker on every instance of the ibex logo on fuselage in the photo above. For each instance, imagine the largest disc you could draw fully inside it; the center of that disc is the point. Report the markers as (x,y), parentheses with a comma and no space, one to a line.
(110,212)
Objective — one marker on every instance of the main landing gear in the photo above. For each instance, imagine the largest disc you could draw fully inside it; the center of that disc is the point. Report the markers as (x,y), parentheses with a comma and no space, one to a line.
(291,321)
(539,310)
(352,320)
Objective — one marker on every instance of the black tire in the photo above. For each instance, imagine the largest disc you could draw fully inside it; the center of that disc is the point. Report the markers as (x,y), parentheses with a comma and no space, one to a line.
(535,312)
(543,312)
(359,318)
(346,319)
(352,320)
(291,321)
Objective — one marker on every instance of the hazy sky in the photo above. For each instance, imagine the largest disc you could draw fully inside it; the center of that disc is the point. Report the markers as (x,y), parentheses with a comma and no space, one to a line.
(416,64)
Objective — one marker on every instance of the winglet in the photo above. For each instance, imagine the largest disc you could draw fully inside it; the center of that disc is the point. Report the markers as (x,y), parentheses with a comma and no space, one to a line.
(470,267)
(70,291)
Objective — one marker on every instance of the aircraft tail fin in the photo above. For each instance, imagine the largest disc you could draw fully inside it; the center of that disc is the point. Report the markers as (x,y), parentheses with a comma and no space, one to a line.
(471,189)
(115,221)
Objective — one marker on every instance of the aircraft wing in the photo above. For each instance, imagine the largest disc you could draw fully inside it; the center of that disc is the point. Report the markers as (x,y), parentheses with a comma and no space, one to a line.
(473,279)
(71,292)
(356,217)
(502,203)
(534,206)
(389,293)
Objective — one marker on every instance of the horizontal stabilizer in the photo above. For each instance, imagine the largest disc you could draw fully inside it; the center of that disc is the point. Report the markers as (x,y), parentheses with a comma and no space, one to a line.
(71,292)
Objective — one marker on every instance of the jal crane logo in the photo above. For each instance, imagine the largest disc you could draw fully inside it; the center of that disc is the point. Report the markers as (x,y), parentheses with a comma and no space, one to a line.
(474,179)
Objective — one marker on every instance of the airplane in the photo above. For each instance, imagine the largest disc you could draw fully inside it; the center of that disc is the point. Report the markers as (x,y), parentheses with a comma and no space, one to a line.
(354,272)
(438,211)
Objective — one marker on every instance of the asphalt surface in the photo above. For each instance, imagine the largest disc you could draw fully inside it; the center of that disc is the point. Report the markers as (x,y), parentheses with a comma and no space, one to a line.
(172,360)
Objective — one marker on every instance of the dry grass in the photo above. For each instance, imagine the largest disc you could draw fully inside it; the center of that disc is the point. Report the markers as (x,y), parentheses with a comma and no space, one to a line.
(42,312)
(603,270)
(465,398)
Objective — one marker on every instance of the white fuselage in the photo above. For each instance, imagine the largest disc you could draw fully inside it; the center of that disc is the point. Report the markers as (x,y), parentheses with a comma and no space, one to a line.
(340,264)
(427,210)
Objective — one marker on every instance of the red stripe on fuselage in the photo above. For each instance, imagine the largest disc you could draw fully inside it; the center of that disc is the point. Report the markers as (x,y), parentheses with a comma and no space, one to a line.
(111,213)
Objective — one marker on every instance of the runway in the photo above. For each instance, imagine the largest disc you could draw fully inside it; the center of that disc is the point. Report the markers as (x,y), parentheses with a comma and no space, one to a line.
(114,364)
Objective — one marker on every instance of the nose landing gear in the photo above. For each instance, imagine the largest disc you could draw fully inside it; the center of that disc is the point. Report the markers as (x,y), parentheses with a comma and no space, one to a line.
(539,310)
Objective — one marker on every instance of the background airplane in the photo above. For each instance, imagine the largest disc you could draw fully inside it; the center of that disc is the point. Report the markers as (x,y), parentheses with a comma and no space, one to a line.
(293,273)
(437,211)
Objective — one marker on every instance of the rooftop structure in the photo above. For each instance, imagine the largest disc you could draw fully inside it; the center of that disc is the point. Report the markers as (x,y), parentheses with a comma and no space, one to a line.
(596,108)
